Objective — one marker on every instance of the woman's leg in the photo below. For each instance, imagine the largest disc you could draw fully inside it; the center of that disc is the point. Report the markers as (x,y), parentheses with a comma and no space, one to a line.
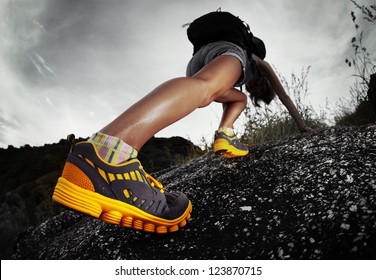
(108,186)
(174,100)
(225,141)
(234,102)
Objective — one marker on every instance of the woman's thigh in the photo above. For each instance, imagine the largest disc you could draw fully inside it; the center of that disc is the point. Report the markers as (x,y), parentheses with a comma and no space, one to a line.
(220,75)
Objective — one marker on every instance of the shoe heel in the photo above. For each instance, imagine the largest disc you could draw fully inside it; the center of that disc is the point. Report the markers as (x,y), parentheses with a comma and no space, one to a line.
(76,198)
(220,146)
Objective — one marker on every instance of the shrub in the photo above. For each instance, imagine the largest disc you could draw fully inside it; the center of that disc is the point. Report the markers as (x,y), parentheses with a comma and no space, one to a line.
(360,108)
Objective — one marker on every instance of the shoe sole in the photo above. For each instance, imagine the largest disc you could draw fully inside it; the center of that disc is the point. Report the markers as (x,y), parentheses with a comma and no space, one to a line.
(221,147)
(114,211)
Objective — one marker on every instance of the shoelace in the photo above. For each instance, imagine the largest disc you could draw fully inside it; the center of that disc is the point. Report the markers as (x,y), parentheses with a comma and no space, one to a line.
(154,182)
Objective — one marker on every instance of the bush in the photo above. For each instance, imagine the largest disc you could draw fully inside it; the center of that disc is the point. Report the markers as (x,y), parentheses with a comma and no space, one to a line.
(360,109)
(365,111)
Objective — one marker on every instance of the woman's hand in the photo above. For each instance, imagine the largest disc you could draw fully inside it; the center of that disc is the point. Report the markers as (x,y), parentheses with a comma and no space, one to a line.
(305,129)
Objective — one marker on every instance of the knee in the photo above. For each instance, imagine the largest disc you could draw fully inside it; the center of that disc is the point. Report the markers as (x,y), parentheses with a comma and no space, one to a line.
(244,101)
(208,92)
(241,102)
(207,100)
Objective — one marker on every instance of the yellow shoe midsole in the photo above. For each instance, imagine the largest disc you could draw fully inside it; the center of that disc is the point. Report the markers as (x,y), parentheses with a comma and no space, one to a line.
(94,204)
(223,145)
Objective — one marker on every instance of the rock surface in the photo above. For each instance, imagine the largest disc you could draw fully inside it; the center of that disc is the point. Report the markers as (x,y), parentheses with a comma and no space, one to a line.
(311,196)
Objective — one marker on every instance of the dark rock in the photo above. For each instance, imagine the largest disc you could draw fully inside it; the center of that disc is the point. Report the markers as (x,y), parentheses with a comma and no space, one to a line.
(312,196)
(371,93)
(162,153)
(365,109)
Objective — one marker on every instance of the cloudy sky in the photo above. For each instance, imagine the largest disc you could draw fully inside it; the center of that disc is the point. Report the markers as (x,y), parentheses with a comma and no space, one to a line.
(70,66)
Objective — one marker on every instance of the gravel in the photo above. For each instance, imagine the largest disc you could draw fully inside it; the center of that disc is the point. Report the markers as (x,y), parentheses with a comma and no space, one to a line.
(311,196)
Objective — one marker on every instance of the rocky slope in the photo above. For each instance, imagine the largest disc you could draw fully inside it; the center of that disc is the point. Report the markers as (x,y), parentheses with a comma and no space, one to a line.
(311,196)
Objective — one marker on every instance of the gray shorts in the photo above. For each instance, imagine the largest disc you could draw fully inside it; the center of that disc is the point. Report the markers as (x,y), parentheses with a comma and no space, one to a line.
(210,51)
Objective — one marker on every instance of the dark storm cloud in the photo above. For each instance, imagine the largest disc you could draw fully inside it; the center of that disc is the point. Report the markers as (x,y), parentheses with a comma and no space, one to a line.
(71,66)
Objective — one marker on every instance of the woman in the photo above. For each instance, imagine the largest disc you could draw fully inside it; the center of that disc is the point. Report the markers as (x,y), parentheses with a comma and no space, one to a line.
(103,178)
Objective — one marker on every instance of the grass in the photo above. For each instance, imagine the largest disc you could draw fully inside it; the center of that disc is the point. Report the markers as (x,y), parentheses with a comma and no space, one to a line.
(274,122)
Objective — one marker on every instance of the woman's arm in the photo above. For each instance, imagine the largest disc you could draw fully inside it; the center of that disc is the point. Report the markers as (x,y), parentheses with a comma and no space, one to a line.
(269,73)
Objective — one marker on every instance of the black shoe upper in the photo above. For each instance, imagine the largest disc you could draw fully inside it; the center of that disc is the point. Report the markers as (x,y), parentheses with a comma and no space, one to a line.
(128,183)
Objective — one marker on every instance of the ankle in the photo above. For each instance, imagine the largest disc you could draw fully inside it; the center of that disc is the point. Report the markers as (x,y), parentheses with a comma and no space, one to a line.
(112,149)
(229,131)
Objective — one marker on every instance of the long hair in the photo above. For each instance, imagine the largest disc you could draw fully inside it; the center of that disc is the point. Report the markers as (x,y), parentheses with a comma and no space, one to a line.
(262,90)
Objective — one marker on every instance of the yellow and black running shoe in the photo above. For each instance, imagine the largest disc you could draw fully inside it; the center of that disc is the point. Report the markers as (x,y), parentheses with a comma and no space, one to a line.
(121,194)
(229,146)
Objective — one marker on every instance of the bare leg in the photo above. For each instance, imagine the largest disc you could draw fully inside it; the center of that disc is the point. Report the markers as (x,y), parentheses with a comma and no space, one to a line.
(174,100)
(234,102)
